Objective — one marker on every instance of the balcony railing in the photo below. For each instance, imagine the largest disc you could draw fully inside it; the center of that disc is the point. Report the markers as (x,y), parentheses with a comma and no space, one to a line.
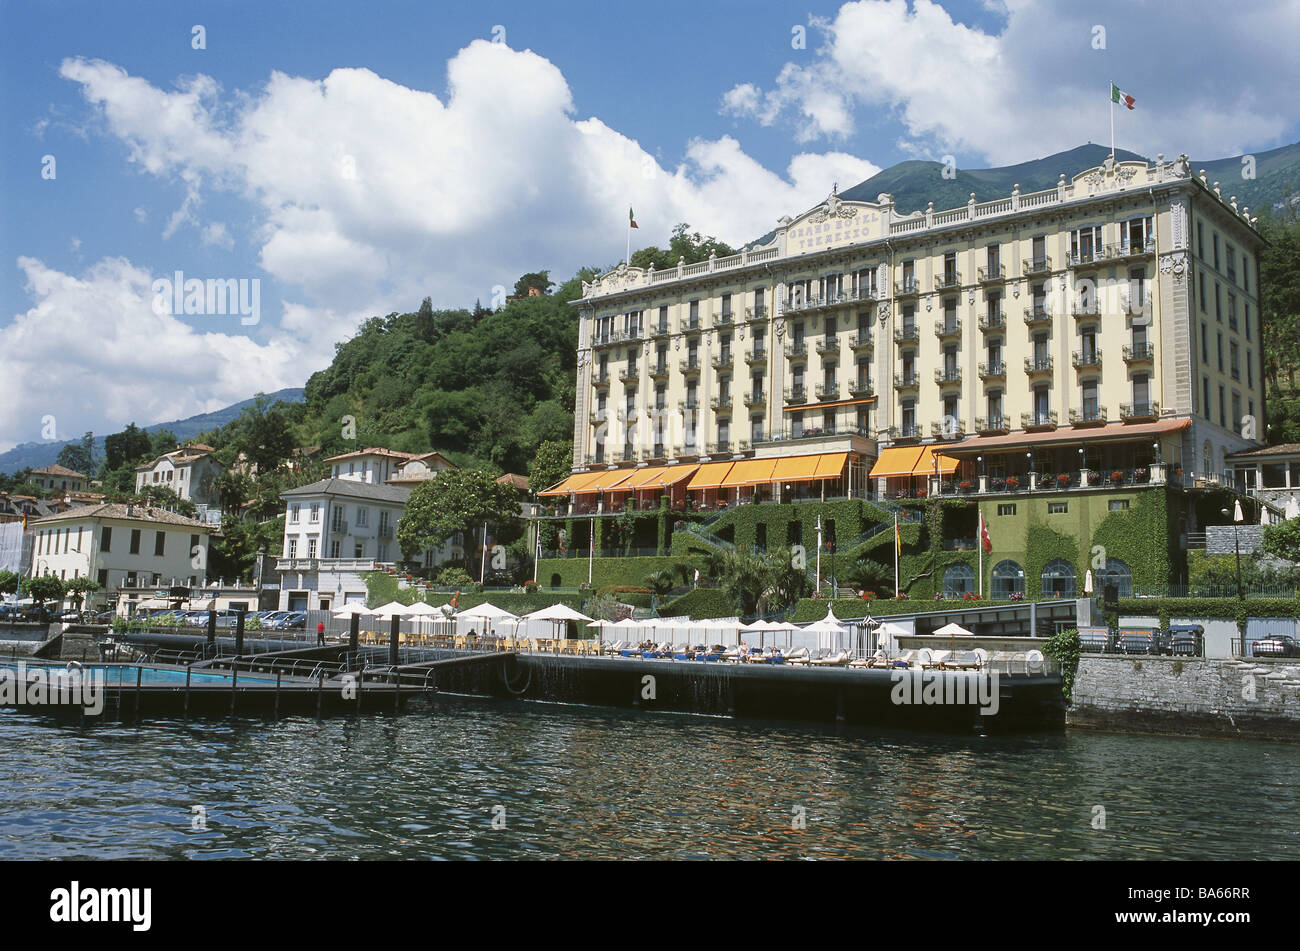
(827,345)
(756,356)
(756,313)
(722,360)
(338,528)
(947,375)
(1038,364)
(1138,352)
(755,399)
(1037,265)
(953,429)
(689,325)
(832,299)
(690,364)
(1146,410)
(659,371)
(723,319)
(692,404)
(1087,258)
(948,328)
(721,401)
(992,424)
(385,531)
(947,281)
(907,287)
(909,431)
(798,393)
(1128,250)
(718,448)
(1086,358)
(629,374)
(598,417)
(1038,420)
(660,330)
(1037,314)
(1088,416)
(906,334)
(993,321)
(906,380)
(988,275)
(861,388)
(860,340)
(796,348)
(600,379)
(993,370)
(828,391)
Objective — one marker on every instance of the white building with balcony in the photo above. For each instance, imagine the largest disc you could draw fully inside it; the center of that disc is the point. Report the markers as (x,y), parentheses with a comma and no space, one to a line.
(189,471)
(373,465)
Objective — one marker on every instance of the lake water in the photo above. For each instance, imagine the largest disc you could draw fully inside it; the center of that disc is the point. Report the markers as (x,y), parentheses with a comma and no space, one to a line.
(466,778)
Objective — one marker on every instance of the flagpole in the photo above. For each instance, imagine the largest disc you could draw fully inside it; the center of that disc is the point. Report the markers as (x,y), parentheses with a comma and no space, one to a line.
(1110,94)
(627,259)
(896,545)
(979,543)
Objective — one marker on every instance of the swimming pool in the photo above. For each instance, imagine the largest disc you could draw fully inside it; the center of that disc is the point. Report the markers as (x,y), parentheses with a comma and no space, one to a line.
(126,674)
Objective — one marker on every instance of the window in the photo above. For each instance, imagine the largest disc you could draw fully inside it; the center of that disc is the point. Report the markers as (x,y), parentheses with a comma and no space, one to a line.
(994,259)
(102,577)
(1058,579)
(1205,342)
(334,549)
(1117,505)
(1218,302)
(293,512)
(1216,252)
(1058,508)
(1234,360)
(695,311)
(1232,311)
(1247,320)
(293,548)
(1205,400)
(1007,508)
(1220,335)
(1008,579)
(1117,573)
(135,541)
(1202,294)
(1236,409)
(356,550)
(1200,240)
(1250,370)
(315,511)
(760,308)
(159,541)
(1223,408)
(363,516)
(958,580)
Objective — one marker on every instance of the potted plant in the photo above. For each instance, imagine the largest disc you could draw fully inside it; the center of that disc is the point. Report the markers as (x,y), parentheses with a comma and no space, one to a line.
(1117,477)
(868,595)
(1013,482)
(1141,475)
(920,493)
(965,485)
(1017,596)
(1046,479)
(1094,478)
(1063,479)
(999,485)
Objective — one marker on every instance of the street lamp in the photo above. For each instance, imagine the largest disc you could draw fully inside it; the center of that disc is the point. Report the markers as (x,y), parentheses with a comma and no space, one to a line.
(1236,543)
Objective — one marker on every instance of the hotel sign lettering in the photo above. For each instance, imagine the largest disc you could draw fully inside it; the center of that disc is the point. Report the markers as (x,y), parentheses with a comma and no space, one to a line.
(810,235)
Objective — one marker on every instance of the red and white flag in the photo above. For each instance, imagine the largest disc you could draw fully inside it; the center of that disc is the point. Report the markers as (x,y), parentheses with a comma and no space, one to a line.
(984,536)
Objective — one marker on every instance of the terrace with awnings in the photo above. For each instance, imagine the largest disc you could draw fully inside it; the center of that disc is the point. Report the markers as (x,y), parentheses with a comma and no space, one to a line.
(711,485)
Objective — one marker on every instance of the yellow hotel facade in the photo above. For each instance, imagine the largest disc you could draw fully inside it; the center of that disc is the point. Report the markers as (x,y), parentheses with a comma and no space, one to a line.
(1107,327)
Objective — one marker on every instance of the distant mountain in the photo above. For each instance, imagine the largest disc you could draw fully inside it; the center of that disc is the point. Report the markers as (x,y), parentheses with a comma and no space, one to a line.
(915,183)
(36,454)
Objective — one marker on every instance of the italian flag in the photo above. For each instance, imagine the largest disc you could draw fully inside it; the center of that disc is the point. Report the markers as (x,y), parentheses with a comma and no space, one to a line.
(1119,95)
(631,218)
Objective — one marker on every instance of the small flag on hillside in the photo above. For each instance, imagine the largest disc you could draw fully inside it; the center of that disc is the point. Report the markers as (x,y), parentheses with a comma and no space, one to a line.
(631,218)
(1116,95)
(898,539)
(984,535)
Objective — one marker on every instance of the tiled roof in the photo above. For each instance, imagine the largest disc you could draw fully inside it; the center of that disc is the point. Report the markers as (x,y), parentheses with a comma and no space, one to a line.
(373,451)
(1286,449)
(351,488)
(57,470)
(118,510)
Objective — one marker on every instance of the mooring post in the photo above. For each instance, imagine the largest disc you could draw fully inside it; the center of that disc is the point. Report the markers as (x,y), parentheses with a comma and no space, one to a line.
(239,633)
(354,632)
(139,673)
(212,629)
(278,675)
(361,681)
(234,681)
(188,671)
(394,634)
(320,692)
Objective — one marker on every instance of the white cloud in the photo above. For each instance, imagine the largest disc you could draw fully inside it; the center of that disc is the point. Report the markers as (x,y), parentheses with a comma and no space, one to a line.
(217,235)
(140,215)
(1038,86)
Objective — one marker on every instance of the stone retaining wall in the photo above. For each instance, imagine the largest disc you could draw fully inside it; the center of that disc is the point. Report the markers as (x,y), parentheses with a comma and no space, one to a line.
(1189,696)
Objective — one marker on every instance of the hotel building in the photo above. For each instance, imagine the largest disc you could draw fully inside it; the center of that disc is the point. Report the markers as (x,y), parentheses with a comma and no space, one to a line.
(1106,329)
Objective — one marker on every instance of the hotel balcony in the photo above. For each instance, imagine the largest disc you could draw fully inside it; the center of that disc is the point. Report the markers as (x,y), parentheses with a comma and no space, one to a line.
(756,313)
(690,365)
(1078,310)
(948,328)
(1034,366)
(718,448)
(608,339)
(629,374)
(798,393)
(861,388)
(723,319)
(907,287)
(628,454)
(948,281)
(946,375)
(1116,252)
(1030,421)
(689,325)
(600,379)
(1041,265)
(796,348)
(825,301)
(906,334)
(948,430)
(1139,353)
(598,417)
(756,399)
(661,329)
(1038,314)
(659,371)
(1087,258)
(828,391)
(1086,359)
(992,275)
(689,405)
(722,360)
(721,402)
(904,381)
(1090,416)
(385,531)
(993,321)
(861,341)
(828,346)
(1132,411)
(992,425)
(756,356)
(908,431)
(992,371)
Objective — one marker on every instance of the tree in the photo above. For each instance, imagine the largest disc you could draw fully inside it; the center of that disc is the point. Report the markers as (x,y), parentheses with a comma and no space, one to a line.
(660,582)
(78,588)
(43,588)
(263,432)
(551,464)
(538,279)
(1279,292)
(683,244)
(1283,540)
(9,581)
(79,456)
(455,500)
(868,574)
(126,448)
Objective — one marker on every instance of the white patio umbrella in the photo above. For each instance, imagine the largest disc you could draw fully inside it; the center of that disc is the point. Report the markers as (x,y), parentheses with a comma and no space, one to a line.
(355,607)
(392,607)
(886,633)
(1292,509)
(1087,582)
(953,629)
(488,613)
(831,627)
(557,614)
(420,609)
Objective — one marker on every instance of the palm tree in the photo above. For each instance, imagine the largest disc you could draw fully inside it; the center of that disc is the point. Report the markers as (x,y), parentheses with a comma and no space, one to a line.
(660,582)
(868,574)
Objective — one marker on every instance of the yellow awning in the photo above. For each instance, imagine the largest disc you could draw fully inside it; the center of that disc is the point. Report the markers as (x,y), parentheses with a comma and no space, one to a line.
(609,480)
(711,475)
(750,472)
(831,465)
(799,468)
(925,464)
(674,474)
(574,483)
(642,478)
(899,461)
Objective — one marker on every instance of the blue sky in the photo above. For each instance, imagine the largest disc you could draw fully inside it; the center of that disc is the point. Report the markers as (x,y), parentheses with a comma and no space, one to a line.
(353,159)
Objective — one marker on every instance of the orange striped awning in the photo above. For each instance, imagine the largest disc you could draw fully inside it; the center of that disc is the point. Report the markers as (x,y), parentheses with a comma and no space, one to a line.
(750,472)
(643,478)
(711,475)
(609,480)
(831,465)
(574,483)
(798,468)
(925,464)
(895,462)
(675,474)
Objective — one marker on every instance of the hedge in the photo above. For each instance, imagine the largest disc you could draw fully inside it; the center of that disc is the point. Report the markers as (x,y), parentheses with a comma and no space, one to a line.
(1219,608)
(701,603)
(608,570)
(813,609)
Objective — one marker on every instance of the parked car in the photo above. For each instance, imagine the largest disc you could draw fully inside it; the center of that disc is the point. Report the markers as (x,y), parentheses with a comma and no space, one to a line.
(1137,640)
(292,621)
(1184,640)
(1277,645)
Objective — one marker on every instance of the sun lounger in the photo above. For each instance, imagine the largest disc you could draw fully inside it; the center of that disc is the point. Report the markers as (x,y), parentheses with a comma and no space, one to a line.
(968,661)
(798,656)
(838,659)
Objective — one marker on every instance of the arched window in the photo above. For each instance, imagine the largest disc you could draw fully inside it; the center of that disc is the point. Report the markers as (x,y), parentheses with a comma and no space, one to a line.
(958,580)
(1117,573)
(1008,579)
(1058,579)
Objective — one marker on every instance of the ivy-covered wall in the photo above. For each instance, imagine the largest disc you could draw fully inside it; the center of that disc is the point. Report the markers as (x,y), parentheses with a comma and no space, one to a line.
(606,570)
(701,603)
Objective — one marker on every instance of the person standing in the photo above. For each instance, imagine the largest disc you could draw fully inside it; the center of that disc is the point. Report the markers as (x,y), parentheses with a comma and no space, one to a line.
(320,633)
